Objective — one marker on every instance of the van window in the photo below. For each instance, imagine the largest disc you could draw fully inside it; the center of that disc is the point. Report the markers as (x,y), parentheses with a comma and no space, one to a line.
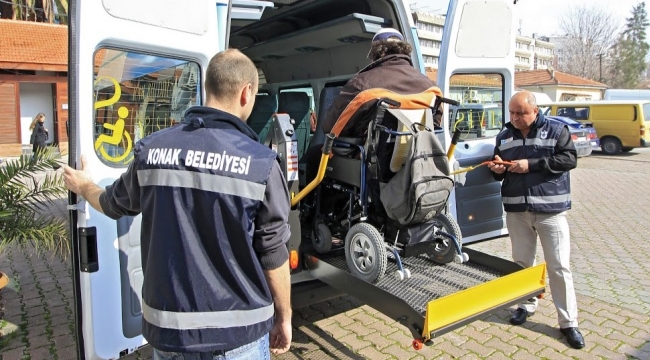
(480,113)
(646,112)
(135,95)
(576,113)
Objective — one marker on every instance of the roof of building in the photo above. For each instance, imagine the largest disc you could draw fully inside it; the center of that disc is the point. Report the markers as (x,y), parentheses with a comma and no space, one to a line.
(30,45)
(553,77)
(468,80)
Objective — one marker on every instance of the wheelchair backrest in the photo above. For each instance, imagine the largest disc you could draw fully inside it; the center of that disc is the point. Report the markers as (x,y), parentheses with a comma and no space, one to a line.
(361,110)
(327,96)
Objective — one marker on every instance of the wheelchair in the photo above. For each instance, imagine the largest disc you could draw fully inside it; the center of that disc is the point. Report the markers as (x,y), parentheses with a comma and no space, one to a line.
(345,210)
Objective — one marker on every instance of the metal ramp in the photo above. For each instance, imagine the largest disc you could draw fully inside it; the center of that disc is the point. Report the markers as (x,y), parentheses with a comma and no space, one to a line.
(436,298)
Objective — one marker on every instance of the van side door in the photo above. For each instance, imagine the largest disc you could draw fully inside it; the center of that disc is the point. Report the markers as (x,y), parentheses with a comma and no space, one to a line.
(476,68)
(135,67)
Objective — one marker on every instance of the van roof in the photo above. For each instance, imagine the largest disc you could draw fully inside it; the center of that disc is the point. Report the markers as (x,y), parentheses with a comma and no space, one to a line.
(596,102)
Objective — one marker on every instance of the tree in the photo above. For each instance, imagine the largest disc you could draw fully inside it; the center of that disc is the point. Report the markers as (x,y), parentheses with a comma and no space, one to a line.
(629,53)
(589,31)
(52,11)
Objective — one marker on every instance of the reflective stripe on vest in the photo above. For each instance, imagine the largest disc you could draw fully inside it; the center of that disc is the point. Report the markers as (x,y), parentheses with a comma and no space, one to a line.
(206,320)
(550,143)
(537,199)
(201,181)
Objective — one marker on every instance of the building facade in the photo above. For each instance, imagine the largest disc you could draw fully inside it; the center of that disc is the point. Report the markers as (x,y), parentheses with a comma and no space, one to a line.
(531,53)
(430,28)
(33,80)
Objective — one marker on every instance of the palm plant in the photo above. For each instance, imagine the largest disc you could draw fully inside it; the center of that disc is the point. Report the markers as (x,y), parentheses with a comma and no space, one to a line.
(26,200)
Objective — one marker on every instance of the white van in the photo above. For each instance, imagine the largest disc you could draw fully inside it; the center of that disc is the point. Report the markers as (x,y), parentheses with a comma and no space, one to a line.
(136,66)
(626,94)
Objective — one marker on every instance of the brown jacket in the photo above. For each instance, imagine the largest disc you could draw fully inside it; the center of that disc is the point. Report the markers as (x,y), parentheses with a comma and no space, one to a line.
(393,72)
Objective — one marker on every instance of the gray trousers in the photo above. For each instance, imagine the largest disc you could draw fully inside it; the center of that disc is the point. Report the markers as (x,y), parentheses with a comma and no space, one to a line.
(553,231)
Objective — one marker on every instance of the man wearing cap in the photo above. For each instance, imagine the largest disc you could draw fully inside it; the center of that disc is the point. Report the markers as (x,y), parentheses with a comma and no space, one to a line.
(391,69)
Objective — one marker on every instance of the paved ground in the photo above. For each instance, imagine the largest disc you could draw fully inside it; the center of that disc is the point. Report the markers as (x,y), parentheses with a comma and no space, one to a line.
(610,263)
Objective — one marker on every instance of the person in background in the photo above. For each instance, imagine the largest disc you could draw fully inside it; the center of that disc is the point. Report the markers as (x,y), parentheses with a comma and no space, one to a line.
(39,134)
(536,195)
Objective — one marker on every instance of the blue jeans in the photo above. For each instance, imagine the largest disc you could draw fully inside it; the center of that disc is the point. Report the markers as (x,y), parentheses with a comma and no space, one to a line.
(257,350)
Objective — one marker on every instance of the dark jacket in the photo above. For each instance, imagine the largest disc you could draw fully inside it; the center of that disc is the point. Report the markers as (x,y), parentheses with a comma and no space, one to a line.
(551,154)
(214,209)
(393,72)
(39,135)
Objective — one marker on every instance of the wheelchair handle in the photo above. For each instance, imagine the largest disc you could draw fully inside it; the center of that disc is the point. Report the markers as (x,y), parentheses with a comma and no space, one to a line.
(329,141)
(389,102)
(455,137)
(449,101)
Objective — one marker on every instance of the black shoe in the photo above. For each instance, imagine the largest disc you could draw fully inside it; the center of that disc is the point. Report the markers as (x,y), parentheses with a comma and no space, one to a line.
(519,316)
(574,337)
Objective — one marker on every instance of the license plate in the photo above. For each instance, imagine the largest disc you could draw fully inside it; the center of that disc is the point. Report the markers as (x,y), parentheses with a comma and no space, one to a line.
(582,139)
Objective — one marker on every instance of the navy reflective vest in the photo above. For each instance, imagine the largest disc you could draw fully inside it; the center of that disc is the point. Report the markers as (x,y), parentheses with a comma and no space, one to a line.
(534,191)
(202,184)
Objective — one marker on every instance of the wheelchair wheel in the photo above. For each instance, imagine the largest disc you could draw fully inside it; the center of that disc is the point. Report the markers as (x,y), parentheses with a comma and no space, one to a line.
(445,250)
(365,252)
(321,237)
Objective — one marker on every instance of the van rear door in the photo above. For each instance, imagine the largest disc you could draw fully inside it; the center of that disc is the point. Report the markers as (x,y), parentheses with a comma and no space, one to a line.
(134,68)
(477,69)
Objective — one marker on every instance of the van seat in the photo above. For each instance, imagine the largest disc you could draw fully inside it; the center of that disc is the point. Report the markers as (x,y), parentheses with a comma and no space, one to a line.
(327,96)
(298,106)
(260,120)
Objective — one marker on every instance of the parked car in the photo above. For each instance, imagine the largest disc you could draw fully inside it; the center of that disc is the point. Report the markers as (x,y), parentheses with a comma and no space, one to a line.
(592,136)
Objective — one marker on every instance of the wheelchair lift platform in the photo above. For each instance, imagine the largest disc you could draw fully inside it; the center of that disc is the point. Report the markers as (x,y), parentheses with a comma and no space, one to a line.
(436,298)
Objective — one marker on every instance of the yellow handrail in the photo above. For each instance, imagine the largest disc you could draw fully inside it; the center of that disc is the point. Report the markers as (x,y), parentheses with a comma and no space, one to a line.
(327,148)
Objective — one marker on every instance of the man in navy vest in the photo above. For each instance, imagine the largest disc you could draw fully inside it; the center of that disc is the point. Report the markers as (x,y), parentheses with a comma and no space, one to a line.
(215,209)
(536,195)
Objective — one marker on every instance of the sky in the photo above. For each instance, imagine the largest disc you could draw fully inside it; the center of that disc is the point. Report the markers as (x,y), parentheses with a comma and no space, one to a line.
(542,16)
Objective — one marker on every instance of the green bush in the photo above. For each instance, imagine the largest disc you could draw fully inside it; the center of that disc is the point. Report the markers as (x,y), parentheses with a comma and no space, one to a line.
(27,197)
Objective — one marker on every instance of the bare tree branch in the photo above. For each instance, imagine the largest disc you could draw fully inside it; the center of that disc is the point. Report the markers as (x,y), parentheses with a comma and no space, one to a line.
(589,31)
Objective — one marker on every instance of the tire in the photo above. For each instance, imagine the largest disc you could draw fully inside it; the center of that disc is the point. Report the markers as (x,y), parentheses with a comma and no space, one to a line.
(321,238)
(445,250)
(365,252)
(627,149)
(610,146)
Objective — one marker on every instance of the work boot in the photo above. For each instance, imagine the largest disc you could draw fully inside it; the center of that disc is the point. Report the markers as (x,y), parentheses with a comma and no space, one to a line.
(574,337)
(519,316)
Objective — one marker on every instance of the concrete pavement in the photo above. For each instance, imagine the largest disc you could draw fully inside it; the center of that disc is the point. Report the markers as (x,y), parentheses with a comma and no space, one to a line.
(610,261)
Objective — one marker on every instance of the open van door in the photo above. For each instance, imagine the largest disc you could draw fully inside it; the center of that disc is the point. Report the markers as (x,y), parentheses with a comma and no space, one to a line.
(134,68)
(477,69)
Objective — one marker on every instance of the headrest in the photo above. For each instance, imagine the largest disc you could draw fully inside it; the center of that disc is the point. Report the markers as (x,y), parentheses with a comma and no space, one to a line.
(265,103)
(293,101)
(327,96)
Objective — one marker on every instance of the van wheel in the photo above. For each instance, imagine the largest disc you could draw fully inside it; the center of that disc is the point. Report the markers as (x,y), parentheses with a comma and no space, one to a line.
(610,146)
(445,250)
(365,252)
(627,149)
